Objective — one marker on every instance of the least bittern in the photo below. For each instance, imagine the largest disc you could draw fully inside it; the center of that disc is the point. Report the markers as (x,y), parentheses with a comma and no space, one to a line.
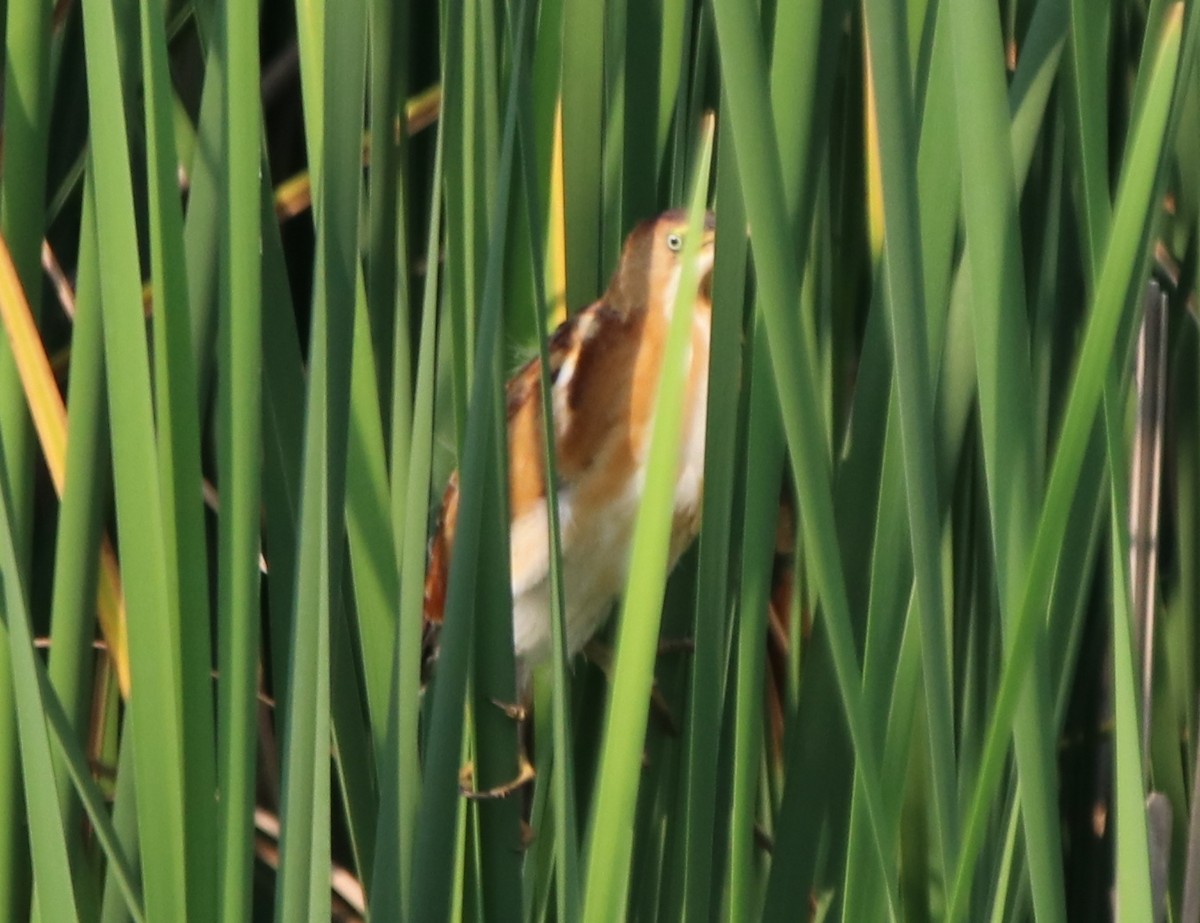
(604,371)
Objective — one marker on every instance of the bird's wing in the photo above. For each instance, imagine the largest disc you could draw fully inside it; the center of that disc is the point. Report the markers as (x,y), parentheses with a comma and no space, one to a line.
(592,358)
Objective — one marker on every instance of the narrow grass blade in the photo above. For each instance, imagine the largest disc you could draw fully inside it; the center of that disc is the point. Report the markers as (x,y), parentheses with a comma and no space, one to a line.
(178,436)
(282,451)
(368,530)
(239,438)
(460,279)
(31,366)
(904,281)
(706,695)
(1134,896)
(392,888)
(114,904)
(1134,200)
(1006,403)
(120,869)
(153,639)
(203,222)
(28,98)
(762,183)
(87,478)
(303,884)
(609,842)
(390,40)
(583,124)
(53,888)
(493,675)
(566,825)
(478,607)
(433,874)
(50,421)
(764,467)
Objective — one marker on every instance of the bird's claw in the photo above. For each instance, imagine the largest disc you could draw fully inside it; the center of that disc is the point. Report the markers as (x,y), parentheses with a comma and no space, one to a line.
(466,782)
(512,710)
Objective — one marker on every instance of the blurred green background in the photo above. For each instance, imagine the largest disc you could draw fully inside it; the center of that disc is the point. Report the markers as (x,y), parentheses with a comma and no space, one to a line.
(265,269)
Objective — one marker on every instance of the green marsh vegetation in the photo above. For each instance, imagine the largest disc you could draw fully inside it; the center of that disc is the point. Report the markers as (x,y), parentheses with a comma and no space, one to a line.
(265,270)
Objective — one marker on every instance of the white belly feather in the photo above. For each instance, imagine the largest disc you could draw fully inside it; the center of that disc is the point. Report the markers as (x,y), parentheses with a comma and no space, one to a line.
(596,559)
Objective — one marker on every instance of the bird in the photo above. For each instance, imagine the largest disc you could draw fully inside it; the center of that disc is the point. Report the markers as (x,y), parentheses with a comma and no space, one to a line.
(604,371)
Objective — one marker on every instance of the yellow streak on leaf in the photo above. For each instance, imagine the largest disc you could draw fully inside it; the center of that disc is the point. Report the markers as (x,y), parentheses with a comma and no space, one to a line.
(50,422)
(294,195)
(874,169)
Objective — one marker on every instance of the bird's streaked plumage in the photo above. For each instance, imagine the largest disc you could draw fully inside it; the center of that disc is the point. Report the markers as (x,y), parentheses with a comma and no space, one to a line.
(604,371)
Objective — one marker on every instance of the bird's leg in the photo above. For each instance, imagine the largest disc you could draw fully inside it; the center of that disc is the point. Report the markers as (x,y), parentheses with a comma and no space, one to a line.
(513,710)
(525,775)
(601,655)
(684,645)
(525,771)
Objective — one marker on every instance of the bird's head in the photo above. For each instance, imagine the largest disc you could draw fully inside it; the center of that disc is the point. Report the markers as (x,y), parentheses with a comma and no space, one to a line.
(652,260)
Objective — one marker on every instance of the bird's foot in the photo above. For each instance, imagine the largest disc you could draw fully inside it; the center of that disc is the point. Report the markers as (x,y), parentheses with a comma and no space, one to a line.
(684,645)
(466,782)
(512,710)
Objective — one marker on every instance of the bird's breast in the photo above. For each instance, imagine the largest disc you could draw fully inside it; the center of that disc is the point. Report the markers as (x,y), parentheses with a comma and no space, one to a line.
(598,510)
(689,489)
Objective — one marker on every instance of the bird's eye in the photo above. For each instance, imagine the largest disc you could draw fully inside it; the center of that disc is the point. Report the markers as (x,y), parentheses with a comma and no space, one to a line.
(674,242)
